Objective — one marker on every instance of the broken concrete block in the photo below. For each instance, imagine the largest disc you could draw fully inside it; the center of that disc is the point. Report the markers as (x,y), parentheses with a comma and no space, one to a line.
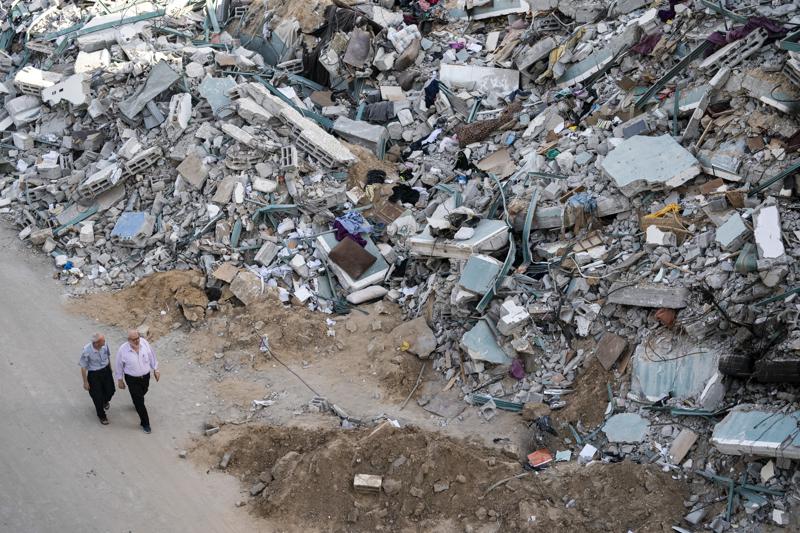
(479,273)
(367,483)
(481,345)
(371,136)
(248,287)
(489,236)
(767,472)
(87,233)
(415,337)
(264,185)
(180,111)
(734,53)
(384,60)
(626,427)
(623,7)
(133,228)
(101,181)
(648,163)
(33,81)
(22,141)
(780,517)
(732,235)
(160,79)
(681,445)
(23,109)
(405,117)
(655,237)
(767,232)
(648,295)
(129,148)
(267,253)
(512,318)
(586,454)
(298,264)
(759,433)
(610,347)
(531,55)
(193,170)
(39,236)
(88,62)
(142,161)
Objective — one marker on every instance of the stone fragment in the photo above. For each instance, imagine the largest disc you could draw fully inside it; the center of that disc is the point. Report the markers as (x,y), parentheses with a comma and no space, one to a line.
(193,170)
(247,287)
(732,235)
(608,350)
(681,445)
(417,335)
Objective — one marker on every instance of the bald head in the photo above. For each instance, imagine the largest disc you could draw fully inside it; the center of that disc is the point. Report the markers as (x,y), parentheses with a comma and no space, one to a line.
(98,341)
(133,336)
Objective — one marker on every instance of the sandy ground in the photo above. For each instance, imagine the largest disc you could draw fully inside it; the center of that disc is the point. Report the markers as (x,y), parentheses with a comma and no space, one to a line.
(60,470)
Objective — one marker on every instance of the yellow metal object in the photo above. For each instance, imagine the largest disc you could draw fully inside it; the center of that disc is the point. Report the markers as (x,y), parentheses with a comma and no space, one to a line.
(671,208)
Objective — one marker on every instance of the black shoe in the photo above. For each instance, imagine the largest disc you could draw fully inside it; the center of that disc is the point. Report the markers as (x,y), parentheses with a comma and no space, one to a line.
(104,421)
(106,406)
(146,429)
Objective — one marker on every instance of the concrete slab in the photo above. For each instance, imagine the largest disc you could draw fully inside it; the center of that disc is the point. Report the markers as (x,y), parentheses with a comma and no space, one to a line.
(647,163)
(761,433)
(767,231)
(626,427)
(643,295)
(161,77)
(370,136)
(479,273)
(493,82)
(481,345)
(678,368)
(489,236)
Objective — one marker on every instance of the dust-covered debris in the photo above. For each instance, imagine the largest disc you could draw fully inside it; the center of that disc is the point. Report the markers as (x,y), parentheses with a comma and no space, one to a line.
(535,184)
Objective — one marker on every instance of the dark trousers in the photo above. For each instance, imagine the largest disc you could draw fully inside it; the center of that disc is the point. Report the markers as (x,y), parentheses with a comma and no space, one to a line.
(138,386)
(101,388)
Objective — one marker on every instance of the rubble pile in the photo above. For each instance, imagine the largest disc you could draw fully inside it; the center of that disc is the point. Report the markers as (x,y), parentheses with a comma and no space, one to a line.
(538,184)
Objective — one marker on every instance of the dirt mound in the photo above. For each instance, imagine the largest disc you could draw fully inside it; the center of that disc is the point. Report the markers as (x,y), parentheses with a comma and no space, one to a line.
(588,403)
(434,482)
(294,333)
(166,300)
(158,301)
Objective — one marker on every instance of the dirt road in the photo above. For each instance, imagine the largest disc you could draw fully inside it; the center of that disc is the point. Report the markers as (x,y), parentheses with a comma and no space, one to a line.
(60,470)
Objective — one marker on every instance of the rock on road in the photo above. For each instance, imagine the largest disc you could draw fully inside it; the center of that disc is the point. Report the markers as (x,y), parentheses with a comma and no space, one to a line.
(60,470)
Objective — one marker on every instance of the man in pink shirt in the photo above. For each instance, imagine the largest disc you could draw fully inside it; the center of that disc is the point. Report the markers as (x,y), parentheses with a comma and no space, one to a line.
(135,360)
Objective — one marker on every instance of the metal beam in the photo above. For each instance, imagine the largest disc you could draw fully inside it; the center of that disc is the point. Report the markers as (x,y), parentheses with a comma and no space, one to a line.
(674,71)
(774,179)
(719,9)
